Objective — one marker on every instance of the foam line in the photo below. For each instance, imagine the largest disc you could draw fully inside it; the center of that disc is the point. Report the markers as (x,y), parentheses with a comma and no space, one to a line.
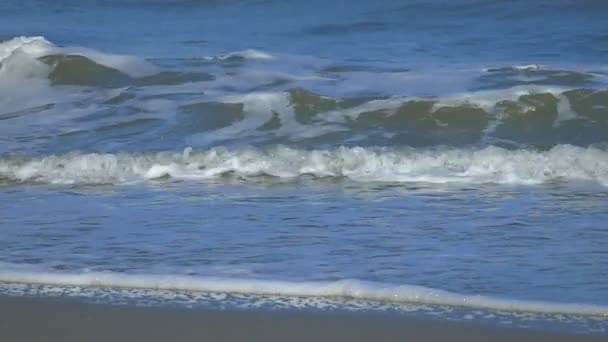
(439,165)
(347,288)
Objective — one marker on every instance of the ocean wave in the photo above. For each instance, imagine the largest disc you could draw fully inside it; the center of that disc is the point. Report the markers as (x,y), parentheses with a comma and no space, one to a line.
(518,116)
(20,52)
(439,165)
(77,95)
(311,291)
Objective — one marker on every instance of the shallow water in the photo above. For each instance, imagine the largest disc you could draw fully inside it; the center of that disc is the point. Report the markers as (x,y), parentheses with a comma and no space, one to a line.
(446,153)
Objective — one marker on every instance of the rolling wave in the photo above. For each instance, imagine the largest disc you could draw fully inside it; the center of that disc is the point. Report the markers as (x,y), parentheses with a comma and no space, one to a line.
(54,96)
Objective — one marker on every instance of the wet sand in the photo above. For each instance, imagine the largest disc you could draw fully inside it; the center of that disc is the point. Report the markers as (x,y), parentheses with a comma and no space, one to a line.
(34,320)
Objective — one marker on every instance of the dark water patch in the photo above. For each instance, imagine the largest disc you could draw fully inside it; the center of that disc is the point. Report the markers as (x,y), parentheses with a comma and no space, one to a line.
(497,78)
(82,71)
(206,116)
(79,70)
(173,78)
(533,109)
(307,105)
(534,119)
(580,132)
(418,123)
(590,104)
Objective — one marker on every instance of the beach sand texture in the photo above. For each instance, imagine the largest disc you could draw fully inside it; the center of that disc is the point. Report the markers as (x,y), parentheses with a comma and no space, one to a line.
(35,320)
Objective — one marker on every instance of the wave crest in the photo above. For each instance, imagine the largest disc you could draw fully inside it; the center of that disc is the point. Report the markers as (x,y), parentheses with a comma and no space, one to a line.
(25,51)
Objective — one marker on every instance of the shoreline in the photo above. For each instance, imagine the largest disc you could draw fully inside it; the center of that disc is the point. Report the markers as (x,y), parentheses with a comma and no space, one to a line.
(46,320)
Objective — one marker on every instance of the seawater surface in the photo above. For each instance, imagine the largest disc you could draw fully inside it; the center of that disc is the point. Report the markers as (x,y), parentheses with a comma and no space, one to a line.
(445,158)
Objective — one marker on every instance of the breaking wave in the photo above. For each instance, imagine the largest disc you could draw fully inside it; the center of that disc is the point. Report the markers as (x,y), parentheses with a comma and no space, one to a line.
(18,54)
(438,165)
(80,95)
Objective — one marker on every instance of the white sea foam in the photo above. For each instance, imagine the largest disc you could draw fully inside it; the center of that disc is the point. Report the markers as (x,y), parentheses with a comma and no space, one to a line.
(347,288)
(441,165)
(244,54)
(528,67)
(23,78)
(519,67)
(247,54)
(18,60)
(564,111)
(33,46)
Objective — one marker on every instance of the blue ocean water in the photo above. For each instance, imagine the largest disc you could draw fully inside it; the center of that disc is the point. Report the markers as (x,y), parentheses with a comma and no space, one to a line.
(442,153)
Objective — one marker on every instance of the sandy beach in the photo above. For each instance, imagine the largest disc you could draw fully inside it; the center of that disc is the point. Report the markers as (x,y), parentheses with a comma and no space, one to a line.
(39,320)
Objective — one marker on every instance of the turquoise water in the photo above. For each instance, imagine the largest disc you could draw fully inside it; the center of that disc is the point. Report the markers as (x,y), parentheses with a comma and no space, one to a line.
(443,153)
